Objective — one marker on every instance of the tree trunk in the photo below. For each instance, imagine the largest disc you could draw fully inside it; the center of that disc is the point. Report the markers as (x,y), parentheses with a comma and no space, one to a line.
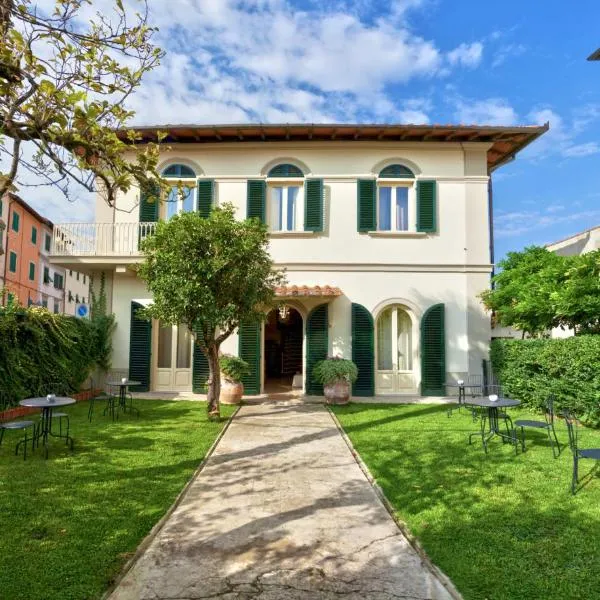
(214,381)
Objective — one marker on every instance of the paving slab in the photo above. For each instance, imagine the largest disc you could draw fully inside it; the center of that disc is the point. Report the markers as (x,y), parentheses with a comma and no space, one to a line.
(280,511)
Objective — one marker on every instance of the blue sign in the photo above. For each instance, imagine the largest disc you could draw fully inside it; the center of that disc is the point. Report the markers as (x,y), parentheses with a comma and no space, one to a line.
(82,310)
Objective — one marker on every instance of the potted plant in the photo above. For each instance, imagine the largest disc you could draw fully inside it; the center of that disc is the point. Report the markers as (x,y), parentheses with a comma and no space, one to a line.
(336,374)
(232,371)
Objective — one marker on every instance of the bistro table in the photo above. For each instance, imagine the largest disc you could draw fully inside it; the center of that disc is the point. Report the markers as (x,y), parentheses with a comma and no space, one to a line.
(123,385)
(462,388)
(44,430)
(493,416)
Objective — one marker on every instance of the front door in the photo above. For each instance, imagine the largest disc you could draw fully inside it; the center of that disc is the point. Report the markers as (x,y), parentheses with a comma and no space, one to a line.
(394,373)
(173,363)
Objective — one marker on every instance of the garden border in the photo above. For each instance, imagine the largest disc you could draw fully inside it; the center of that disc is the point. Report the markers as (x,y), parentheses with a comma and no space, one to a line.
(402,526)
(143,545)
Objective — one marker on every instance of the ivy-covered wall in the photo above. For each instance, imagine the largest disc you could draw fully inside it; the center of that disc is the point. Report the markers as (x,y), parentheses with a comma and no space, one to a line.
(569,368)
(38,348)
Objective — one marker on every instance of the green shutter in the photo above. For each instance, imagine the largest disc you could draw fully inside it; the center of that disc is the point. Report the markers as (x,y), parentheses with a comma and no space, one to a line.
(200,370)
(206,188)
(426,206)
(249,350)
(256,199)
(12,262)
(140,341)
(433,352)
(313,205)
(317,344)
(15,221)
(31,271)
(363,351)
(149,205)
(33,235)
(367,215)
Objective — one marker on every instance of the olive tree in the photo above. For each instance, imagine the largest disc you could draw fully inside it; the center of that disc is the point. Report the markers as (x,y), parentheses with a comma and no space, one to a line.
(211,274)
(66,74)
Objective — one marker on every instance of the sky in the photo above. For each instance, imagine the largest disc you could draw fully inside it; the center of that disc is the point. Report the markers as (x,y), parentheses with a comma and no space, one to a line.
(394,61)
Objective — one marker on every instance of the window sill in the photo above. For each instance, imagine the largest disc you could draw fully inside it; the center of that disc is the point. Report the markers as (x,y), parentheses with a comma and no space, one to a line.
(284,234)
(398,234)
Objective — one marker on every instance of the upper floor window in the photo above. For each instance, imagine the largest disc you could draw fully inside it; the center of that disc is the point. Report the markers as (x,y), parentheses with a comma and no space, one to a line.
(15,221)
(285,204)
(182,197)
(396,203)
(47,242)
(33,235)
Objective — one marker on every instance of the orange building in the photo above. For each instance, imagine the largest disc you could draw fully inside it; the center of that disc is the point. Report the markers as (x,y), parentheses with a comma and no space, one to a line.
(25,237)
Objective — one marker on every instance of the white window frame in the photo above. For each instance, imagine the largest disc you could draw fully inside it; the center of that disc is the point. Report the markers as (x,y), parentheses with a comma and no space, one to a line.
(192,184)
(412,204)
(279,182)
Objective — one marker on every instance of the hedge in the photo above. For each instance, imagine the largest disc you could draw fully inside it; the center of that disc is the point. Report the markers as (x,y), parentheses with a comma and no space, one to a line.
(39,348)
(569,368)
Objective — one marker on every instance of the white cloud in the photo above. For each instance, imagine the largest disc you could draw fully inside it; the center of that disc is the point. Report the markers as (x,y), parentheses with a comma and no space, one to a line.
(492,111)
(578,150)
(502,54)
(468,55)
(511,224)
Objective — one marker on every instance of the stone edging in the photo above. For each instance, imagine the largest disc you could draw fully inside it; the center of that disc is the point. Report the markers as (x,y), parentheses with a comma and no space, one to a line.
(412,540)
(143,545)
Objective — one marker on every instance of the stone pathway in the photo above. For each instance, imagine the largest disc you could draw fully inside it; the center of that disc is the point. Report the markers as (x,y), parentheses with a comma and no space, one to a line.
(280,511)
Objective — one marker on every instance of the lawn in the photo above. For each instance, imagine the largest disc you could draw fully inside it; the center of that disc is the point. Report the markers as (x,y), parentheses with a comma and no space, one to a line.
(501,526)
(70,523)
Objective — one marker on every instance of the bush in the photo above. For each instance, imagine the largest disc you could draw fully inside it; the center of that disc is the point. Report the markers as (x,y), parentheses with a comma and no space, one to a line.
(335,369)
(233,368)
(38,348)
(569,368)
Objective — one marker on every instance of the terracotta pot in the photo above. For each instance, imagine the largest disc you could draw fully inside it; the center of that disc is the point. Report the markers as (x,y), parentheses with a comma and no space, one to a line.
(337,392)
(231,391)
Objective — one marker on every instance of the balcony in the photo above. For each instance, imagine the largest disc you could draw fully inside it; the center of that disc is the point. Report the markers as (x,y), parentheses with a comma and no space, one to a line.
(101,244)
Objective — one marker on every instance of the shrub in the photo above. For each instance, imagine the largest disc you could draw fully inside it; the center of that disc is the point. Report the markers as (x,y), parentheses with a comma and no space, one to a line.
(38,347)
(233,368)
(335,369)
(569,368)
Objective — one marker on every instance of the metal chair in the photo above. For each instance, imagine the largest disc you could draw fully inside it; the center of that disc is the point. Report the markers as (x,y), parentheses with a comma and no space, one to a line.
(547,424)
(105,395)
(592,453)
(22,425)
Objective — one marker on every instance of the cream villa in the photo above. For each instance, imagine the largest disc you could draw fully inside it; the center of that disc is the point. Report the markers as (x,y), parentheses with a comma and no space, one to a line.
(384,230)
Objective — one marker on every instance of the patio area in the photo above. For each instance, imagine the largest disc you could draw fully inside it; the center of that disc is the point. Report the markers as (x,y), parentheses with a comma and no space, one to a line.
(500,525)
(71,522)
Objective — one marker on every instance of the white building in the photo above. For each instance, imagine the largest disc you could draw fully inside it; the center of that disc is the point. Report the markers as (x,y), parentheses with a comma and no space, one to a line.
(384,230)
(77,290)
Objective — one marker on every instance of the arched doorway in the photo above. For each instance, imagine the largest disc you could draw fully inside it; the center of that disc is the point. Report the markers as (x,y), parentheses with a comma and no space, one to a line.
(394,352)
(283,333)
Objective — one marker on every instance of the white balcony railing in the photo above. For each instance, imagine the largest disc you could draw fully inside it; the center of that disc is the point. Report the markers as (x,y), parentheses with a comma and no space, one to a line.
(99,239)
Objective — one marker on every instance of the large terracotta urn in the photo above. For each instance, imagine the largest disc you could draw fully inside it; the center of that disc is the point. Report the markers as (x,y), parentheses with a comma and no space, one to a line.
(231,391)
(337,392)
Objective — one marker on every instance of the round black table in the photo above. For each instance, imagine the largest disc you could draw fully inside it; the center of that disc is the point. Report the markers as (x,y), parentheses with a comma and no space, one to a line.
(44,430)
(123,385)
(493,417)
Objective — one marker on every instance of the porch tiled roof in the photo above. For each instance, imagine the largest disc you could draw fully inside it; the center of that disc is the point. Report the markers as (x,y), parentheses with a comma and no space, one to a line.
(286,291)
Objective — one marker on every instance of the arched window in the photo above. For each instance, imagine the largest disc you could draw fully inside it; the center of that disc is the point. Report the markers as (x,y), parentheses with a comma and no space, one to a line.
(285,204)
(285,170)
(396,203)
(182,197)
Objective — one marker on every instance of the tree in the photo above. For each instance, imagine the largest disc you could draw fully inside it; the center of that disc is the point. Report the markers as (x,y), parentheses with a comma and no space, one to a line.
(65,77)
(522,293)
(577,300)
(210,274)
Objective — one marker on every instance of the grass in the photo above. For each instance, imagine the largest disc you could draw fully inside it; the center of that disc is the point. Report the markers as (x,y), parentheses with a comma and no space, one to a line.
(71,522)
(500,526)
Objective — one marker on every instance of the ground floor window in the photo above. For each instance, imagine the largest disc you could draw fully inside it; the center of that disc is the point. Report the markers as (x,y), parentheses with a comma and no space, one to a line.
(394,351)
(174,351)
